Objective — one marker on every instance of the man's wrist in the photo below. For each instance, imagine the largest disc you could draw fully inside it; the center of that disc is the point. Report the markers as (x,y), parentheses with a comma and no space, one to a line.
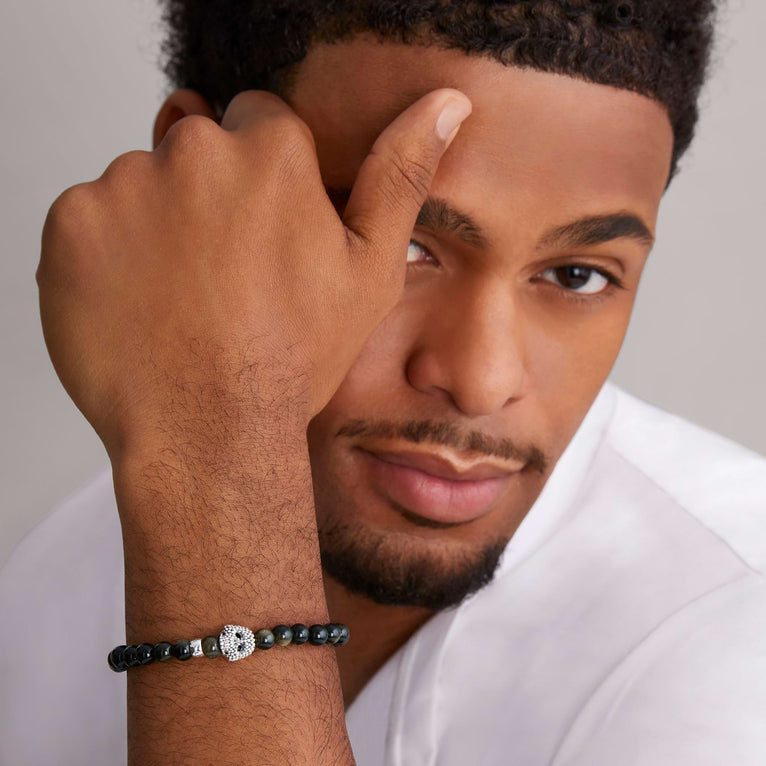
(219,536)
(216,535)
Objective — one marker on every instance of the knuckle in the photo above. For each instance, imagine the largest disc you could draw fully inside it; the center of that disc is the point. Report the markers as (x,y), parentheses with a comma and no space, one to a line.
(193,149)
(71,209)
(289,131)
(275,118)
(254,100)
(126,168)
(286,148)
(191,135)
(412,175)
(290,162)
(69,222)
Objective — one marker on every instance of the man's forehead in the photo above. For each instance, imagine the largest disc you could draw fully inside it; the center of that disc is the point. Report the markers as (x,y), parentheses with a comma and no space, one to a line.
(536,134)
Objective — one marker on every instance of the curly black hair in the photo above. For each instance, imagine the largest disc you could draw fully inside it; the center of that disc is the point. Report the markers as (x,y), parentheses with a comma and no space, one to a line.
(659,48)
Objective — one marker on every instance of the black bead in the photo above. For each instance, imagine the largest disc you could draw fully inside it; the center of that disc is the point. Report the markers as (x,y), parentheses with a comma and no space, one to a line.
(131,657)
(181,650)
(282,635)
(116,659)
(161,651)
(300,633)
(333,632)
(144,653)
(344,636)
(317,635)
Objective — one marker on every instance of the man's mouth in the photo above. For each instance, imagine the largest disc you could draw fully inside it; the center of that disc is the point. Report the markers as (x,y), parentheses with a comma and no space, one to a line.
(435,487)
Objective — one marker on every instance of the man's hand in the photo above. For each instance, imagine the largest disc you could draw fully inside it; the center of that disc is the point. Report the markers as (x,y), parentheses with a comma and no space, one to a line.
(216,267)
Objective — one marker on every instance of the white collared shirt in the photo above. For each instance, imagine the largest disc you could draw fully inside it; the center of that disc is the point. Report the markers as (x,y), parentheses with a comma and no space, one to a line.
(626,625)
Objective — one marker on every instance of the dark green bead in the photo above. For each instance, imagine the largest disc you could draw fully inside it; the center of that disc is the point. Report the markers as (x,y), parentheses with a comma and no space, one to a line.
(333,632)
(344,635)
(181,650)
(317,635)
(144,654)
(161,651)
(116,659)
(300,633)
(210,647)
(282,634)
(264,639)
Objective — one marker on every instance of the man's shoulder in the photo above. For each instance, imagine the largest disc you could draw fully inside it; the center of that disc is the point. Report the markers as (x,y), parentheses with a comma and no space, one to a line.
(718,483)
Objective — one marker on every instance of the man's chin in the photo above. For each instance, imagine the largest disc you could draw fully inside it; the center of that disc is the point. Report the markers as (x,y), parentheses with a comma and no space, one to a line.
(396,569)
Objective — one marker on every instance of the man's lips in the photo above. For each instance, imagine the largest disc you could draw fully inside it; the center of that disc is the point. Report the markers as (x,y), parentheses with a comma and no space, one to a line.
(444,468)
(435,488)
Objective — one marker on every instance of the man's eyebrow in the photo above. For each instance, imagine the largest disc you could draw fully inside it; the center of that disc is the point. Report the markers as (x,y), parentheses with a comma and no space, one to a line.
(435,215)
(597,229)
(438,216)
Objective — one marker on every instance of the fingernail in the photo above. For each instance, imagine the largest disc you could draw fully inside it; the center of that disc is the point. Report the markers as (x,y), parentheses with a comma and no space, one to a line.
(452,115)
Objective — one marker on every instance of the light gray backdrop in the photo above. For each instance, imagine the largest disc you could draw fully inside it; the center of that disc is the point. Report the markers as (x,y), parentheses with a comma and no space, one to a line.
(79,85)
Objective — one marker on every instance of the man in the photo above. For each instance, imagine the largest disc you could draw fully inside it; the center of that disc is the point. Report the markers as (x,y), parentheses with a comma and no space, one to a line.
(232,314)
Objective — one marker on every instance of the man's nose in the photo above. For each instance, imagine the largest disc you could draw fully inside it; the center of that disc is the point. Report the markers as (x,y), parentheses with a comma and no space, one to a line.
(471,349)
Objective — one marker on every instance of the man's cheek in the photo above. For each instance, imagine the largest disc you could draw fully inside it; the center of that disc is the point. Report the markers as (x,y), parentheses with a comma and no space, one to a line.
(380,362)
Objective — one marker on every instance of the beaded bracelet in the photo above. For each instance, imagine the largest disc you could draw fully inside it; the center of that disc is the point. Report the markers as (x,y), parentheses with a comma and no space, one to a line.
(235,642)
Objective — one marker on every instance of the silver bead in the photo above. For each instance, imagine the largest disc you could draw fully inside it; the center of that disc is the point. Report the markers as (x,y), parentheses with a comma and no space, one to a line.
(196,647)
(236,642)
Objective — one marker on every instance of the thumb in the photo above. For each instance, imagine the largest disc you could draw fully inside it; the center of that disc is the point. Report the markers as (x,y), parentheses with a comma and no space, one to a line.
(394,179)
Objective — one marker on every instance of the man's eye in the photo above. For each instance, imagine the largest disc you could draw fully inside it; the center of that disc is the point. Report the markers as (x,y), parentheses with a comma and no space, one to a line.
(579,279)
(417,254)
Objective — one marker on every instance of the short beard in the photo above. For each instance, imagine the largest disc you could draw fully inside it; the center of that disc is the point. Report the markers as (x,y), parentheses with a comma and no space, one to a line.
(375,564)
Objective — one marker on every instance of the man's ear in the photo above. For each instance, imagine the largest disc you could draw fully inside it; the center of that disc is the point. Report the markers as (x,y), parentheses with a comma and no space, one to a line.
(178,104)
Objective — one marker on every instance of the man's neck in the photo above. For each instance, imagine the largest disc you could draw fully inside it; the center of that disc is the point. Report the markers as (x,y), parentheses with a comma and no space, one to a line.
(376,634)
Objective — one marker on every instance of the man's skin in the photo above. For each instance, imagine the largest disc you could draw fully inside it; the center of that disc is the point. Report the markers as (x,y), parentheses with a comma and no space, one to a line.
(204,380)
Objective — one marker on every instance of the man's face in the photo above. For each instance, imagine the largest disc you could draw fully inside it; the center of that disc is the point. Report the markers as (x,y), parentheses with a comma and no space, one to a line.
(523,274)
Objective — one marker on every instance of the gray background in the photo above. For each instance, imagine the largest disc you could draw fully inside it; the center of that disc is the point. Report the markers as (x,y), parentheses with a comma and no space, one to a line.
(80,85)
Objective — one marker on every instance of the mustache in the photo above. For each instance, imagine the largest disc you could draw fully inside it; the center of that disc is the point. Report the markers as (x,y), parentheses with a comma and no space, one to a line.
(430,431)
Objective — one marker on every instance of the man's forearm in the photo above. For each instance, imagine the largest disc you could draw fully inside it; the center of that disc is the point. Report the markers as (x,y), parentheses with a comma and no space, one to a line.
(227,536)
